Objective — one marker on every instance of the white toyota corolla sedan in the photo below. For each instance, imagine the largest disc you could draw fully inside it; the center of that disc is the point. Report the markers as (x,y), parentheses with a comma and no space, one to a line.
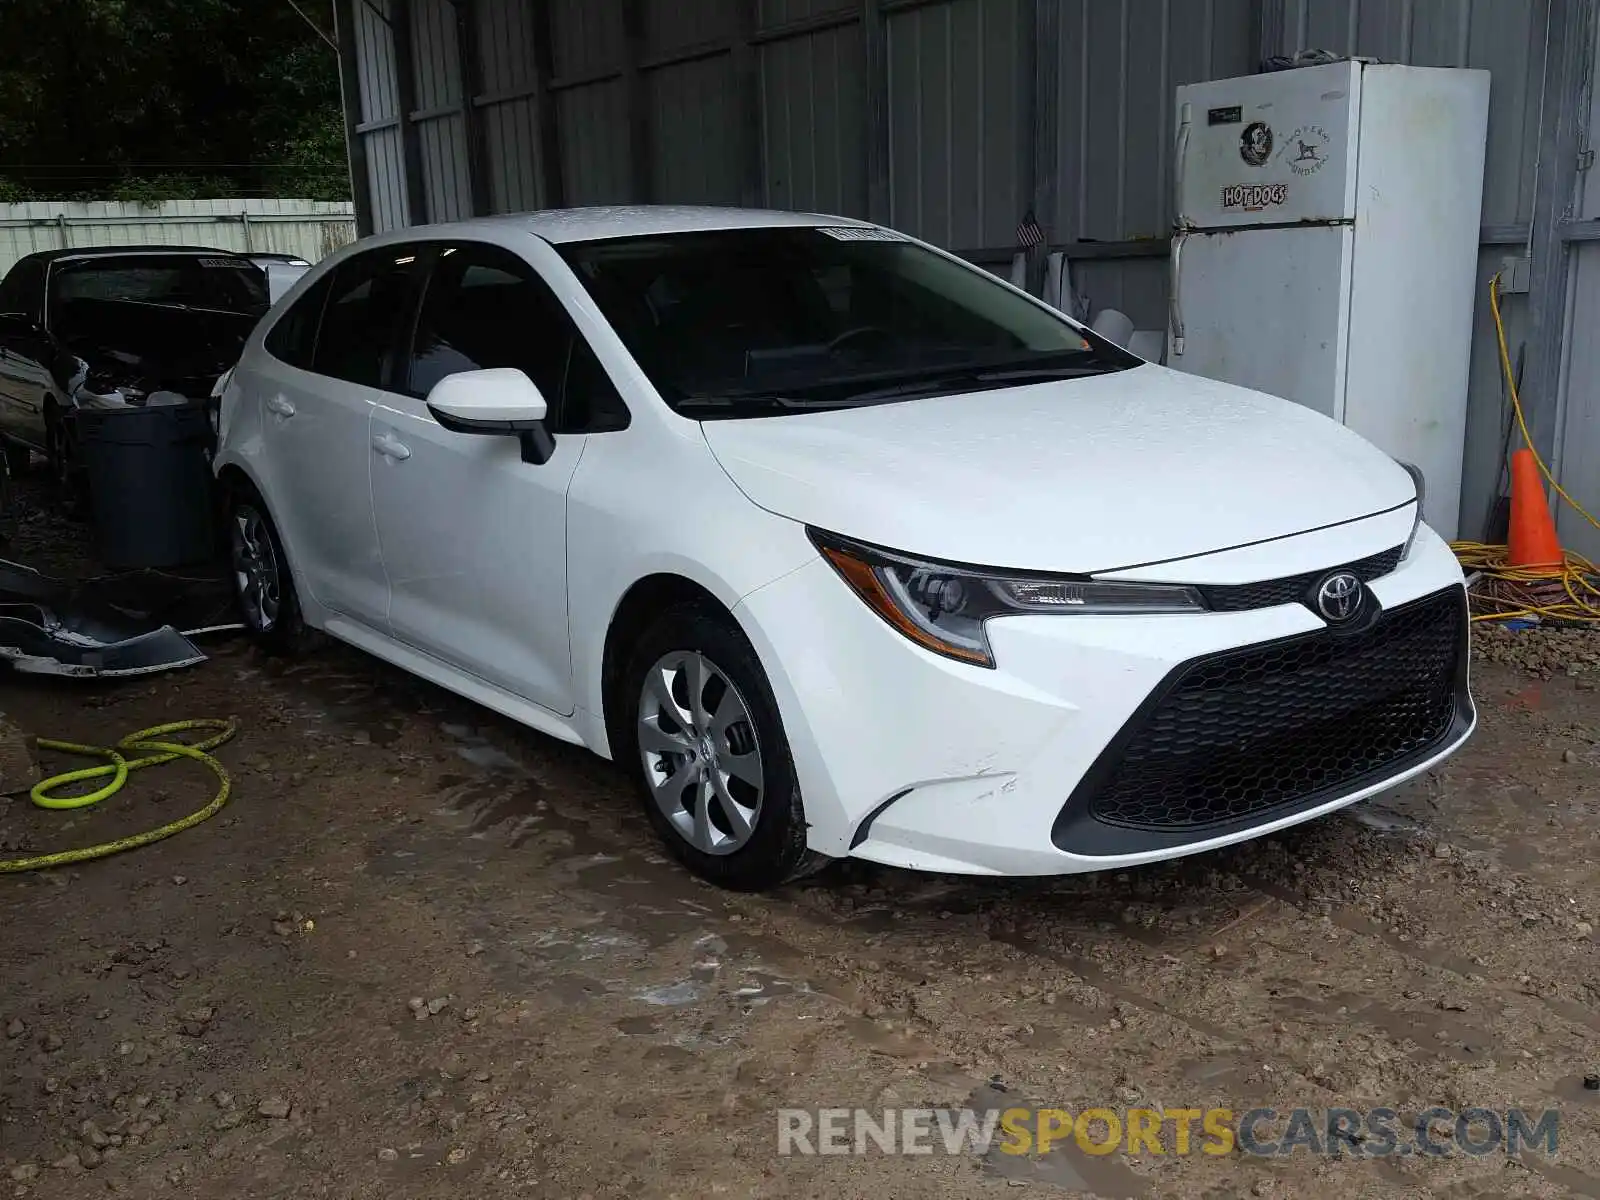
(841,546)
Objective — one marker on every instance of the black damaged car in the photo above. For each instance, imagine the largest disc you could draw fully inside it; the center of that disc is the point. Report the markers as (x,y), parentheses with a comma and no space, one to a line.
(104,327)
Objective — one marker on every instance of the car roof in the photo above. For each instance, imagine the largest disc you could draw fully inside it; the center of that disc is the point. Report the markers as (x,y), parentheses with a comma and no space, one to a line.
(592,224)
(66,253)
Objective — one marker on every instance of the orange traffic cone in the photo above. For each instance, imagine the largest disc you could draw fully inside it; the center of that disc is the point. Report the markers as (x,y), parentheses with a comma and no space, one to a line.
(1534,545)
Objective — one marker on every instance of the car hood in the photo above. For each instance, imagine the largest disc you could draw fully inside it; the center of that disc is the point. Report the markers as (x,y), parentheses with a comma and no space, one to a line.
(1084,475)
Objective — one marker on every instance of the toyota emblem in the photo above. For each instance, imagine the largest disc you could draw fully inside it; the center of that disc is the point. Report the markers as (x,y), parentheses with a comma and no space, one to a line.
(1339,597)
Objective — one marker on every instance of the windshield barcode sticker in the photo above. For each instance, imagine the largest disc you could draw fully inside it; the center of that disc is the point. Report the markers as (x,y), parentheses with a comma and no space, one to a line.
(236,264)
(860,233)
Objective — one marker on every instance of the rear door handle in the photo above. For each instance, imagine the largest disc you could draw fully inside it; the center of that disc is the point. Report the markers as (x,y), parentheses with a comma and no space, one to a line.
(280,405)
(390,446)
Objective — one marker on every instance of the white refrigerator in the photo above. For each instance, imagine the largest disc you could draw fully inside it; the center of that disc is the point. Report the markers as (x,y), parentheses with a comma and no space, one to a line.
(1326,249)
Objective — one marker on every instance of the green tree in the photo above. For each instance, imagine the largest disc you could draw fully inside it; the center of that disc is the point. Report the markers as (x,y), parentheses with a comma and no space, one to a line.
(150,99)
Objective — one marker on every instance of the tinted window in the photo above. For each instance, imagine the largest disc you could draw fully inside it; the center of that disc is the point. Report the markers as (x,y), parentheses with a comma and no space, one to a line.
(193,280)
(293,339)
(485,307)
(738,322)
(370,298)
(23,289)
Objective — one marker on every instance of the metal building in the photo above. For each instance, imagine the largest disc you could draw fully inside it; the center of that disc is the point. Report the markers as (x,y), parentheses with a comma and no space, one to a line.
(954,119)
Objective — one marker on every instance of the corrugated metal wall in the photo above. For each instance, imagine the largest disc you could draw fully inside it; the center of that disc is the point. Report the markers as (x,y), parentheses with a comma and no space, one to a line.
(377,135)
(309,228)
(1578,454)
(947,118)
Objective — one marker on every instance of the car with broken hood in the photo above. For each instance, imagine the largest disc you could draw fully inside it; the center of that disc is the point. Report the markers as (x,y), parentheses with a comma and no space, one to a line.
(840,545)
(110,326)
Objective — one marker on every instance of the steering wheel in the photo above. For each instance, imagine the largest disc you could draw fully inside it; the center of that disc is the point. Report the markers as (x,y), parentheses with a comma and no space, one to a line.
(850,335)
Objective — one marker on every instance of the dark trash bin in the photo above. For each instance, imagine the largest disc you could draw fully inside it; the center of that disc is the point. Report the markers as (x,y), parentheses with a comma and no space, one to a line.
(150,487)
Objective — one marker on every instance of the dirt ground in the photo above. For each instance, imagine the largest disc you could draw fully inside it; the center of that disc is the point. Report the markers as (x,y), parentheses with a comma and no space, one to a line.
(424,952)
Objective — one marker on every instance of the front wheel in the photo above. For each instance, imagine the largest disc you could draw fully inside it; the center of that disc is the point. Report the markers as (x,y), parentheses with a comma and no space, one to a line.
(708,745)
(66,471)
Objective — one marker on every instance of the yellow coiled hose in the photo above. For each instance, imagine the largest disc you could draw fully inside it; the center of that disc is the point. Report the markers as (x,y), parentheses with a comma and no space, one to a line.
(118,766)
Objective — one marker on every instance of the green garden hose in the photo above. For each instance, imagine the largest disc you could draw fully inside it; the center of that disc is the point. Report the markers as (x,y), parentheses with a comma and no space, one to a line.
(118,766)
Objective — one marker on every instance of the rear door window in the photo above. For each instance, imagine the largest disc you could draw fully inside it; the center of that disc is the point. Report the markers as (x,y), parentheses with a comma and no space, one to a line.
(371,300)
(485,307)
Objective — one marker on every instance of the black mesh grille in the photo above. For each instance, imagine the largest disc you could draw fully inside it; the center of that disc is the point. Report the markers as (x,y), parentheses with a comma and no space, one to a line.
(1291,589)
(1283,725)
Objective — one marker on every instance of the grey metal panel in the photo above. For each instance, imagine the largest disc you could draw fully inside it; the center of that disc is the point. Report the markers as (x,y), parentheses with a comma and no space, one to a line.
(673,24)
(696,132)
(1579,463)
(379,101)
(510,125)
(512,134)
(375,50)
(594,143)
(1487,409)
(386,178)
(444,168)
(781,12)
(1120,61)
(813,110)
(505,38)
(958,133)
(437,62)
(1505,38)
(588,36)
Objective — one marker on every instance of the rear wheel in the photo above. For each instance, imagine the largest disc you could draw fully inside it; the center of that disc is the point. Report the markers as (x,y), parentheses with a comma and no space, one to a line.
(709,749)
(262,583)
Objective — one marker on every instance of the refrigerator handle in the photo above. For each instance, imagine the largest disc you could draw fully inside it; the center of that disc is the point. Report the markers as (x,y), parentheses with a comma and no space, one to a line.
(1175,295)
(1180,157)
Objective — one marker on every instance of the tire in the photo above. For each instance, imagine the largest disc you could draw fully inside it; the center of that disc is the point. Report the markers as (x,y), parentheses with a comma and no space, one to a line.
(66,472)
(653,742)
(263,585)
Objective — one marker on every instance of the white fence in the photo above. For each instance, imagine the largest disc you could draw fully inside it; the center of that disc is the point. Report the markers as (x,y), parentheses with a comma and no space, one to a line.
(309,228)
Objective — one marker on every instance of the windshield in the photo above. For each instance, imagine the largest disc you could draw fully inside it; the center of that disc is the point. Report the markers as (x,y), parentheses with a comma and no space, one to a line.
(190,280)
(755,321)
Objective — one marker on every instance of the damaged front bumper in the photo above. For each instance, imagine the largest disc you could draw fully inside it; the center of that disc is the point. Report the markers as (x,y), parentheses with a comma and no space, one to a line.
(48,627)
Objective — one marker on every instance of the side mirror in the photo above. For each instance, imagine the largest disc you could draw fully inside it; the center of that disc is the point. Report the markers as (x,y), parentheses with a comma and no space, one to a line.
(498,400)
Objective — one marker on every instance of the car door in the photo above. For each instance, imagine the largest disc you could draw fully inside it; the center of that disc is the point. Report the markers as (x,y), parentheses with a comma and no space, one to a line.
(25,354)
(474,539)
(317,396)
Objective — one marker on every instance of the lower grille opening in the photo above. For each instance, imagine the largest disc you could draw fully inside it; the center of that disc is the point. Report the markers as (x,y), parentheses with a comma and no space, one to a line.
(1256,733)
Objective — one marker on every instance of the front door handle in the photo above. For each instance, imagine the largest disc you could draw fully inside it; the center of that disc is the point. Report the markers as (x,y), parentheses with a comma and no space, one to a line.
(390,446)
(280,405)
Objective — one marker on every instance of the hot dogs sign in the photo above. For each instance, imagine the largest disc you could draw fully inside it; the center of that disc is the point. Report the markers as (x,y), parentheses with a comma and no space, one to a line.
(1253,197)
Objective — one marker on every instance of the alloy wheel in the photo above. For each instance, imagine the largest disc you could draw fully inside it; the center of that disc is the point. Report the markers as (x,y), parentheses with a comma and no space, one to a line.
(255,568)
(702,759)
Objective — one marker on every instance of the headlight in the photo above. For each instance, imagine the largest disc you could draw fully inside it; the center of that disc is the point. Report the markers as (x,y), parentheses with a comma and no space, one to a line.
(943,608)
(1422,494)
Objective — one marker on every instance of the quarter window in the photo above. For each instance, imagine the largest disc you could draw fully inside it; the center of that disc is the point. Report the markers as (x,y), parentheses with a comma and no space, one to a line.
(294,338)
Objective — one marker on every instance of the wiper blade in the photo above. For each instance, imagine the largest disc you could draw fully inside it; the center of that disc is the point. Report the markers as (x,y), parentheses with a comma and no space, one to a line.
(759,401)
(1023,374)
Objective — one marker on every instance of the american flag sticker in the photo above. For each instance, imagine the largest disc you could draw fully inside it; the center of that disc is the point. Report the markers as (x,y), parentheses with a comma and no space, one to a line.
(1029,234)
